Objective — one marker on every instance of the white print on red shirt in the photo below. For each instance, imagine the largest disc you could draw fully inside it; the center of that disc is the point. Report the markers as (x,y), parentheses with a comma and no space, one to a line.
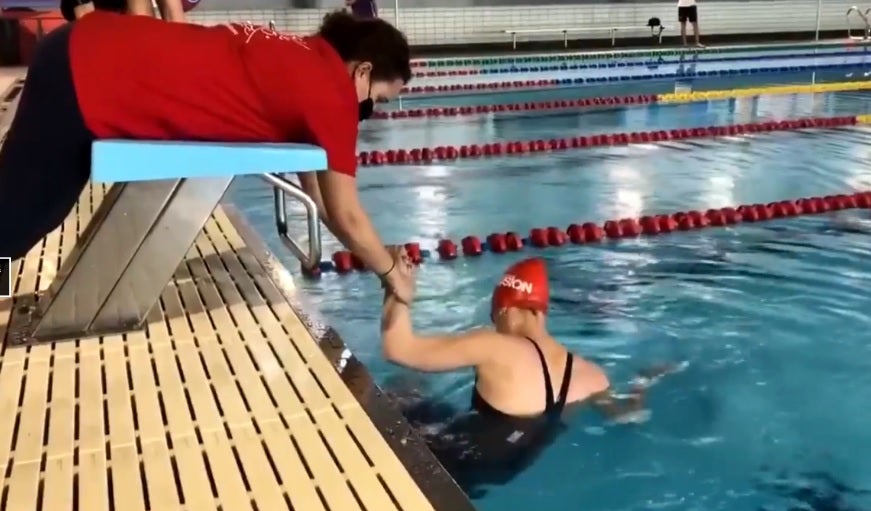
(250,31)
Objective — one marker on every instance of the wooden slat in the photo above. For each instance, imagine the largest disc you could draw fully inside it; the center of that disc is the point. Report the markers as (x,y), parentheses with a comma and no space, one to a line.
(224,402)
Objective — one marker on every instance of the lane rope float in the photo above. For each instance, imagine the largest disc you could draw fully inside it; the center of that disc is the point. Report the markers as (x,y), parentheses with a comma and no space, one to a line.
(655,52)
(343,262)
(424,155)
(640,99)
(564,66)
(685,97)
(453,111)
(562,82)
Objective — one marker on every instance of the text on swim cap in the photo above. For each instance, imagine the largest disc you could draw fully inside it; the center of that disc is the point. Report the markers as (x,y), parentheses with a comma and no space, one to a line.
(513,282)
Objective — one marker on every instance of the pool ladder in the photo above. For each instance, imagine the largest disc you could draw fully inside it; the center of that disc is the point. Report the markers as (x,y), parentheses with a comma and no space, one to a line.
(866,32)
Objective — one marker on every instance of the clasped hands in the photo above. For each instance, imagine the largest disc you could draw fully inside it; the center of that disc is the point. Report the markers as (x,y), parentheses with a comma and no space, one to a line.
(400,279)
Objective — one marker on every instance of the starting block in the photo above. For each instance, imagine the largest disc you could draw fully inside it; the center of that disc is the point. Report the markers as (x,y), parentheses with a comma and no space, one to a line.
(162,195)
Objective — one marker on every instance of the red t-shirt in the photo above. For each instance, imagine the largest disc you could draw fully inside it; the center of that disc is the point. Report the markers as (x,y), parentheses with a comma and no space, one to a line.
(142,78)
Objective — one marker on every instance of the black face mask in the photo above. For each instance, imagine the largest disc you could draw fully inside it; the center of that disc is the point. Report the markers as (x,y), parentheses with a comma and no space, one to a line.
(367,107)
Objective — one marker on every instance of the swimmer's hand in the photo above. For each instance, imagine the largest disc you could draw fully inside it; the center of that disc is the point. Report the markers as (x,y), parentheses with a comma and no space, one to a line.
(399,280)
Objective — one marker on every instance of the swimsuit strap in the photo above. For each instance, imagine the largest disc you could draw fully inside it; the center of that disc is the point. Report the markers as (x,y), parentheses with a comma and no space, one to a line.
(548,389)
(567,378)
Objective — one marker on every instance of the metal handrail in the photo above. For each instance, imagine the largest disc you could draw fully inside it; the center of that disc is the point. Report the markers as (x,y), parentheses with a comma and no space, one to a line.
(281,189)
(867,31)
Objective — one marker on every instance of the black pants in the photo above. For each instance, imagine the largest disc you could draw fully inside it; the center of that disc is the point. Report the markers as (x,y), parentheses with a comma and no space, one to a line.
(689,13)
(45,161)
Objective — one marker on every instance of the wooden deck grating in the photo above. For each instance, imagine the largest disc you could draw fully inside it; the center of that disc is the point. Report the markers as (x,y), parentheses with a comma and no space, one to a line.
(225,401)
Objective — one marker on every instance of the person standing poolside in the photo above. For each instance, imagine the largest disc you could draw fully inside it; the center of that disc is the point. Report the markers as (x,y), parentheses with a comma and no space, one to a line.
(134,77)
(687,10)
(524,379)
(364,9)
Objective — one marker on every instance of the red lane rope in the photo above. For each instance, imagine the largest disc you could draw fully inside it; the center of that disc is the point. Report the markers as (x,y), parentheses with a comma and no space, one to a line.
(515,84)
(452,111)
(517,148)
(590,232)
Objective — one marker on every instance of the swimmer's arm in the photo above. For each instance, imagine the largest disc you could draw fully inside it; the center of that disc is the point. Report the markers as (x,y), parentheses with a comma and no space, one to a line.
(614,407)
(335,130)
(602,398)
(435,353)
(617,407)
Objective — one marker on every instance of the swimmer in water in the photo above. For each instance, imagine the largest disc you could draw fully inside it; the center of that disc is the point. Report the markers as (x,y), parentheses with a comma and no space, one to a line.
(524,378)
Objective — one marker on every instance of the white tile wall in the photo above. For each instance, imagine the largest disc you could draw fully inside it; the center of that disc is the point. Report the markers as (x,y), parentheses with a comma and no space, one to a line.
(485,24)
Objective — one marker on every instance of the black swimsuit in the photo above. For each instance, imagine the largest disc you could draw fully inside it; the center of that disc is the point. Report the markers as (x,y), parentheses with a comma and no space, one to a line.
(552,409)
(485,446)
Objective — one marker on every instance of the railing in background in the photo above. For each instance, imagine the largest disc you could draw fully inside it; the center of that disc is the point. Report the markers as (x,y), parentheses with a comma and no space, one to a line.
(866,31)
(819,20)
(818,26)
(482,24)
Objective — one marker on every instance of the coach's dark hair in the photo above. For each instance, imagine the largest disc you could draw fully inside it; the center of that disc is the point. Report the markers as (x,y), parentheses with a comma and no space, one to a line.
(369,40)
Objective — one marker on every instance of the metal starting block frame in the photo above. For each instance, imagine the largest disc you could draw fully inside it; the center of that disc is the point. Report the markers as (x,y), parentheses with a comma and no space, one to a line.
(163,195)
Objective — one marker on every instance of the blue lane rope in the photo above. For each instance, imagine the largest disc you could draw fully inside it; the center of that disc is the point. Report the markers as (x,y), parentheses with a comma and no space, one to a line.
(555,83)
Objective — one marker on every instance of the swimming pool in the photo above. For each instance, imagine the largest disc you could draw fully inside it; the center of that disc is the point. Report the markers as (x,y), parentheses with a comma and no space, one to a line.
(771,409)
(568,73)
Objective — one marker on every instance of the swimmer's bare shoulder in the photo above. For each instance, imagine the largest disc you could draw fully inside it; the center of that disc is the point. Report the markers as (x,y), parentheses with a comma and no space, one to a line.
(507,356)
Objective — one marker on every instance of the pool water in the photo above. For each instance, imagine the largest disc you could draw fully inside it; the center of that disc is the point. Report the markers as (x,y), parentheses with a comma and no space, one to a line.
(569,74)
(661,86)
(771,410)
(530,125)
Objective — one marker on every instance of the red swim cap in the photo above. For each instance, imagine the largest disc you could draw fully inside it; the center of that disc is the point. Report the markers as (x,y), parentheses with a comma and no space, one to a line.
(524,286)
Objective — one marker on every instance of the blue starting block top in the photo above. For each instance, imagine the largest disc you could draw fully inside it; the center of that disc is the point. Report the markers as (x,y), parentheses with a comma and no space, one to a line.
(146,160)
